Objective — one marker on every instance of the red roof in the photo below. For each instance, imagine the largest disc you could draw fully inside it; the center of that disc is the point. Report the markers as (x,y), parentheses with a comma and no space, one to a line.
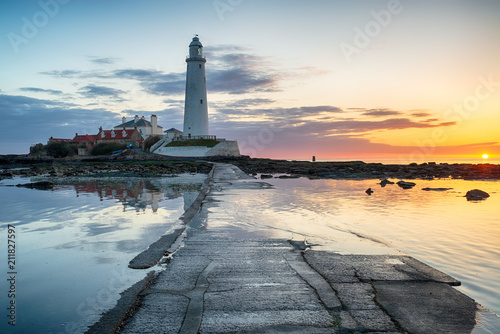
(84,138)
(115,134)
(60,140)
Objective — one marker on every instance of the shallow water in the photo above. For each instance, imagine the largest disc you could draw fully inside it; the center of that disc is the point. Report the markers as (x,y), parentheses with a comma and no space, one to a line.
(73,244)
(440,228)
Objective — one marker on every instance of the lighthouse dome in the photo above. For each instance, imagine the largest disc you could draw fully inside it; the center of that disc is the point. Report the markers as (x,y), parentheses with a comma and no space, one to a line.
(196,42)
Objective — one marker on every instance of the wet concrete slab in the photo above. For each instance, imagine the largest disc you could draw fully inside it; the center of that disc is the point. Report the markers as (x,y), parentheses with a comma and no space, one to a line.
(220,282)
(427,307)
(394,293)
(232,285)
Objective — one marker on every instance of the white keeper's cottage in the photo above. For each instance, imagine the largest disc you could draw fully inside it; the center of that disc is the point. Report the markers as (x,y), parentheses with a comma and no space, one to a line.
(146,128)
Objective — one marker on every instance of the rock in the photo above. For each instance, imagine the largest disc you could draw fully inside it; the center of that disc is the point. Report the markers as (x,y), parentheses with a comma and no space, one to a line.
(436,189)
(476,195)
(265,176)
(385,182)
(288,176)
(369,191)
(37,185)
(406,185)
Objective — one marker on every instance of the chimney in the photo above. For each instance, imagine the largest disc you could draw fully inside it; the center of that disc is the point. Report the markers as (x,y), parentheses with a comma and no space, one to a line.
(136,118)
(154,124)
(124,120)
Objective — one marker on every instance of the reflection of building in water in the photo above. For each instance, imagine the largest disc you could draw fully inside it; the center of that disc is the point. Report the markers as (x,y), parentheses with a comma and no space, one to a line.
(135,193)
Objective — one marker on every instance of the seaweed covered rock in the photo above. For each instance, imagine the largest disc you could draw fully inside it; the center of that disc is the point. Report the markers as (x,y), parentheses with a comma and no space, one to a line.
(476,195)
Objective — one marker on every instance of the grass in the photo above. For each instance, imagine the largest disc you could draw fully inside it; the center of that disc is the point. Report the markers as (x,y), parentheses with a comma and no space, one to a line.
(194,142)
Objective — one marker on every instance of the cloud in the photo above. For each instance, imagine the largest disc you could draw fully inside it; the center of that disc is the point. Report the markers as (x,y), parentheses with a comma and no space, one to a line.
(137,74)
(27,121)
(421,114)
(245,103)
(277,114)
(232,70)
(40,90)
(362,126)
(240,80)
(62,74)
(238,73)
(230,73)
(174,101)
(9,102)
(165,88)
(92,91)
(381,112)
(104,60)
(155,82)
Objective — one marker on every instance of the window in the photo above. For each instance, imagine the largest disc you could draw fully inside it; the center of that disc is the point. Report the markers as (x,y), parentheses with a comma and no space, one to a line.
(201,101)
(200,65)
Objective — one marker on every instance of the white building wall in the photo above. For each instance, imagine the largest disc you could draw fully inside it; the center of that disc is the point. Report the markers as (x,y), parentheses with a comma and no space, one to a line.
(223,148)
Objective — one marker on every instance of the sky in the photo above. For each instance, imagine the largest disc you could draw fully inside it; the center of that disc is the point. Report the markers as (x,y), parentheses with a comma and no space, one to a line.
(403,80)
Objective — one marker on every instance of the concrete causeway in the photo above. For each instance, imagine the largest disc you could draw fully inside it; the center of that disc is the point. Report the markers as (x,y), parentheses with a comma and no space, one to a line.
(218,283)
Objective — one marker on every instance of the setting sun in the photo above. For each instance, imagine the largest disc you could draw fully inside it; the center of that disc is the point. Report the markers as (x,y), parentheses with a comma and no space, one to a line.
(485,156)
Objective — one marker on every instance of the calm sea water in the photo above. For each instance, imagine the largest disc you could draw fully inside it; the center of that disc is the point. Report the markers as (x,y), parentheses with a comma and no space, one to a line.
(73,244)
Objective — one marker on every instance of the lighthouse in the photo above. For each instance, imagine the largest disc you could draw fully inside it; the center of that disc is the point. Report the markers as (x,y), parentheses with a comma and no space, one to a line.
(195,105)
(195,117)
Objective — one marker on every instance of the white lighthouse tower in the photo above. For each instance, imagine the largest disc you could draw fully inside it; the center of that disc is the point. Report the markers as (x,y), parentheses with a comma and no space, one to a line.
(196,107)
(195,116)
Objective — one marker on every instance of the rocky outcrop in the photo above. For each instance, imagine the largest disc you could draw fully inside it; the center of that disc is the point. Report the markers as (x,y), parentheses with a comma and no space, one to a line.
(405,184)
(361,170)
(385,182)
(476,195)
(37,185)
(147,164)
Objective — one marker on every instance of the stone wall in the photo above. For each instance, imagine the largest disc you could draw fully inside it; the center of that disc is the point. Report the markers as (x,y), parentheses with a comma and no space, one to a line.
(223,148)
(226,148)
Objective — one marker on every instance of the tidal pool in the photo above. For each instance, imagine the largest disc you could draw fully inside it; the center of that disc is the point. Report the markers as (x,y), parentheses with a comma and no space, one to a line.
(74,243)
